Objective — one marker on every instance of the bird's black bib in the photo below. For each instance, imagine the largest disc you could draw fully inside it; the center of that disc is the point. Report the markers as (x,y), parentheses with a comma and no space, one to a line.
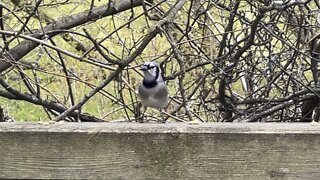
(149,84)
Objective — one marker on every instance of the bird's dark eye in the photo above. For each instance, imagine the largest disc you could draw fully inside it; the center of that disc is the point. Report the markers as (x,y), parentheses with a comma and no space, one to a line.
(150,66)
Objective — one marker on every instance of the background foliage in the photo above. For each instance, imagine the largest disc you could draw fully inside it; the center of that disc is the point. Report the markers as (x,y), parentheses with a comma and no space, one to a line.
(224,60)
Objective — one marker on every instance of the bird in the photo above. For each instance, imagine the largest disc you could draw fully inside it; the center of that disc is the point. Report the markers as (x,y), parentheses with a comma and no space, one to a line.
(308,107)
(153,91)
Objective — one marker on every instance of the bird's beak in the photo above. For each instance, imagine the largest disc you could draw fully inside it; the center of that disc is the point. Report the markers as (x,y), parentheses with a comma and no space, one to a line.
(143,68)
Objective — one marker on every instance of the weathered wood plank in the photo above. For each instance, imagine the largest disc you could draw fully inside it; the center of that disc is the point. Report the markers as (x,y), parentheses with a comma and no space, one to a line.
(160,151)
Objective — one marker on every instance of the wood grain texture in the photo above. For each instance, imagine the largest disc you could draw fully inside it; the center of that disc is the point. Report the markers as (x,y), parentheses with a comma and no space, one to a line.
(160,151)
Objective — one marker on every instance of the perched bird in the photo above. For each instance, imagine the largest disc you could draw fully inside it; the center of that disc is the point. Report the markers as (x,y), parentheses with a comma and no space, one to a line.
(308,107)
(153,90)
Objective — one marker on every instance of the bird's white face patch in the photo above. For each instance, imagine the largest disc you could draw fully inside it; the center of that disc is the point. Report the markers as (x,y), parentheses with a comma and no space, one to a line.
(151,69)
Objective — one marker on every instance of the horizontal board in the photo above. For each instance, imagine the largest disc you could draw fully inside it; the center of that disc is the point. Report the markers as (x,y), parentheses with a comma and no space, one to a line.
(160,151)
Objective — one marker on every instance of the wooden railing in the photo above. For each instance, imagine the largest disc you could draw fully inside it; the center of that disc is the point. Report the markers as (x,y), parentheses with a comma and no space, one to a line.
(160,151)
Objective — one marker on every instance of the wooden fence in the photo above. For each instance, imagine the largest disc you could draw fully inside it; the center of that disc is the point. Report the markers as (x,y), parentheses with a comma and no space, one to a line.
(160,151)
